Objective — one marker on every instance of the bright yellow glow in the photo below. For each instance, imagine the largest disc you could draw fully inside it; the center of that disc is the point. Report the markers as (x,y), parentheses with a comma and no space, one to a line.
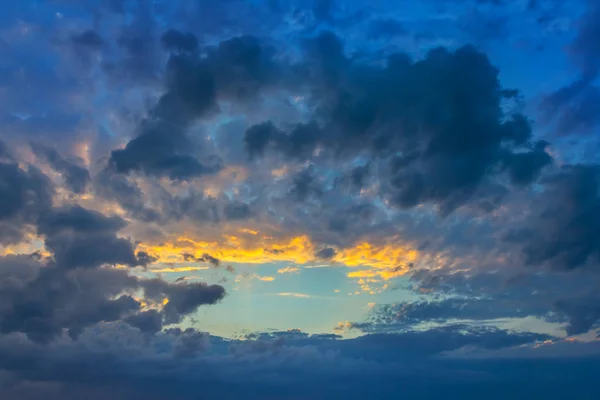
(385,261)
(235,249)
(266,278)
(382,256)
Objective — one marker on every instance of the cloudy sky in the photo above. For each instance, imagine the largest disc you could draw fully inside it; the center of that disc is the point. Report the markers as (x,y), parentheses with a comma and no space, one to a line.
(299,199)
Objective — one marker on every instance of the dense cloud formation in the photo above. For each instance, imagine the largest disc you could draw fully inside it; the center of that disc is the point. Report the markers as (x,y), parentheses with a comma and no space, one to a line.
(564,232)
(83,238)
(75,176)
(186,186)
(437,123)
(25,194)
(236,70)
(573,106)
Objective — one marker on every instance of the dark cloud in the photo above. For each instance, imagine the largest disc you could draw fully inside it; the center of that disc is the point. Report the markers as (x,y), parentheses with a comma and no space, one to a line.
(258,137)
(210,259)
(143,258)
(237,211)
(189,342)
(325,253)
(24,195)
(583,313)
(163,147)
(563,229)
(41,301)
(242,67)
(204,258)
(88,38)
(184,298)
(44,300)
(120,188)
(406,315)
(572,107)
(146,321)
(585,49)
(83,238)
(237,69)
(524,168)
(185,364)
(4,152)
(437,340)
(351,218)
(179,41)
(451,132)
(75,176)
(305,185)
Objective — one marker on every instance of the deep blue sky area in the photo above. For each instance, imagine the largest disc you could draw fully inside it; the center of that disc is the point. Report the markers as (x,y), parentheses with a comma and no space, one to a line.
(299,199)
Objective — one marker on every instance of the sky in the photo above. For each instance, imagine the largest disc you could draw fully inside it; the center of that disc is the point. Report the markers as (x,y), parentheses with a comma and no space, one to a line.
(299,199)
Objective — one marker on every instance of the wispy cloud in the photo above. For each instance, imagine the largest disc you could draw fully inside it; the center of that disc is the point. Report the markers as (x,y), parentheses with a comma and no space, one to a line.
(179,269)
(298,295)
(288,270)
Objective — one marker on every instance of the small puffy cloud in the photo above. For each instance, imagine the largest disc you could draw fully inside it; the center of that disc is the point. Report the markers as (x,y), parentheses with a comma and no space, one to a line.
(288,270)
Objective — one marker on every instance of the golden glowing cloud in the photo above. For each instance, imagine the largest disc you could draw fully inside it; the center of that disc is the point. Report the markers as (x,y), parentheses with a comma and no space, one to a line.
(385,261)
(236,249)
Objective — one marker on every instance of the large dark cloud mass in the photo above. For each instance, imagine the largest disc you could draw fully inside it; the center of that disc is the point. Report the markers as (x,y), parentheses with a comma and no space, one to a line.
(438,123)
(25,194)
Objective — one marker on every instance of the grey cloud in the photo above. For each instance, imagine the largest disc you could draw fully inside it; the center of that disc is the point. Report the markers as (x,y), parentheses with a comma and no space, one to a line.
(204,258)
(287,365)
(572,108)
(88,38)
(236,69)
(75,176)
(563,229)
(150,321)
(24,195)
(120,188)
(184,298)
(584,49)
(326,253)
(449,149)
(42,300)
(237,211)
(47,300)
(84,238)
(305,185)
